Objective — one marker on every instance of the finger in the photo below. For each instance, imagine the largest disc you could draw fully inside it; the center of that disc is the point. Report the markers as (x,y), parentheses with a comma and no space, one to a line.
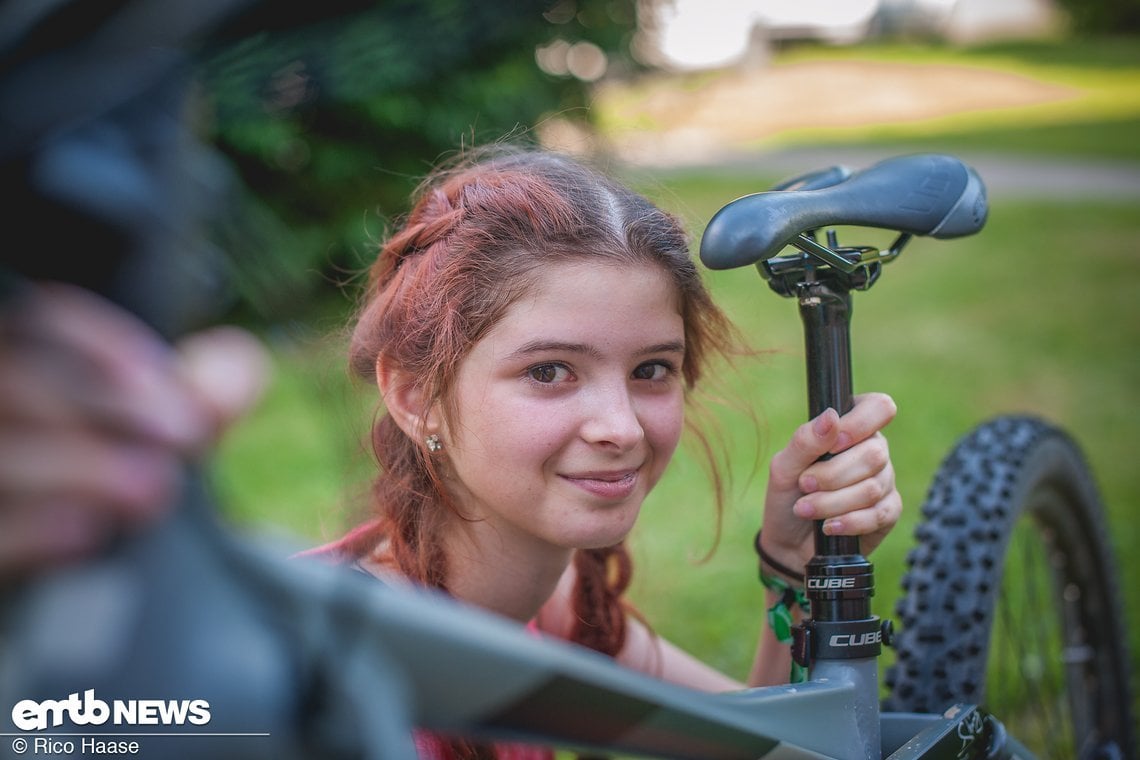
(116,480)
(49,389)
(872,523)
(34,535)
(871,413)
(31,394)
(824,505)
(810,442)
(863,460)
(110,365)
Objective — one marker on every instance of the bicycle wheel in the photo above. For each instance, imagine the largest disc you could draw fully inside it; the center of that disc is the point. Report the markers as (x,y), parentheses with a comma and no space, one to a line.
(1010,598)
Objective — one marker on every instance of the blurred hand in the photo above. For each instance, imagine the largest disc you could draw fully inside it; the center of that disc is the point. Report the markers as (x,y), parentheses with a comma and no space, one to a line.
(98,416)
(853,492)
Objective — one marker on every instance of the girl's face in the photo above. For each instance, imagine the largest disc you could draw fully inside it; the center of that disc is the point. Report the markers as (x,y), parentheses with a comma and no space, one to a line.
(570,408)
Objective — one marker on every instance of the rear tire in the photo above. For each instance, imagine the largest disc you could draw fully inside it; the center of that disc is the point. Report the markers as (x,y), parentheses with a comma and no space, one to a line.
(1010,600)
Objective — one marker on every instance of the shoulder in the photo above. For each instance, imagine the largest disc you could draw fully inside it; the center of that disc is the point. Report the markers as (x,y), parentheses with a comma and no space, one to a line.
(335,553)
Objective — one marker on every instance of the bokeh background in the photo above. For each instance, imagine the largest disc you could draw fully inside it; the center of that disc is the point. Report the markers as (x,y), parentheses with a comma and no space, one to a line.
(330,121)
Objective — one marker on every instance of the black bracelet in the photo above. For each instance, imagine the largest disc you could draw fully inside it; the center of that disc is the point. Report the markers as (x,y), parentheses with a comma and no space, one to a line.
(777,566)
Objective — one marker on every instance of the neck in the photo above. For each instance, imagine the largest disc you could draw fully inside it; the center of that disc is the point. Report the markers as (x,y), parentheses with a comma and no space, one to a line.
(511,578)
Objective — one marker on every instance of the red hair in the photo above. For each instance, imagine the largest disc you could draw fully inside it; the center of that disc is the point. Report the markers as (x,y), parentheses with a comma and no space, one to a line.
(477,236)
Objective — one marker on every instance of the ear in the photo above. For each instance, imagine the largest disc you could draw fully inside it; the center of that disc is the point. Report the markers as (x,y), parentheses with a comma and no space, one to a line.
(406,403)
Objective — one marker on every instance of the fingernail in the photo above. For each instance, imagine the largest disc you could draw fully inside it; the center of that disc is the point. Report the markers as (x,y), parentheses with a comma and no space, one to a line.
(808,484)
(803,509)
(833,527)
(823,423)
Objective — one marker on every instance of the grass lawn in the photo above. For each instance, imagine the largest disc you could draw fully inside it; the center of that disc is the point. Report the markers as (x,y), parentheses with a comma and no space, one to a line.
(1040,313)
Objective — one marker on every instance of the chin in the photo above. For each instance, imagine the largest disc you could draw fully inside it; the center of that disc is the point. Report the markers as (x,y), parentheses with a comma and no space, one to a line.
(604,536)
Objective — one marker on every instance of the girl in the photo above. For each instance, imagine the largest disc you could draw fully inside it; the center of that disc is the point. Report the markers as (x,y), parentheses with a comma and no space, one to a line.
(535,330)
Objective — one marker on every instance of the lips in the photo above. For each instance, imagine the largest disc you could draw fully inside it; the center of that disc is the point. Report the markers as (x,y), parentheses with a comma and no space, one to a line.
(606,485)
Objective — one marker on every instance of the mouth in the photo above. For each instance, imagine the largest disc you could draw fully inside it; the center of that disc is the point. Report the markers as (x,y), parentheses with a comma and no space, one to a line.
(606,485)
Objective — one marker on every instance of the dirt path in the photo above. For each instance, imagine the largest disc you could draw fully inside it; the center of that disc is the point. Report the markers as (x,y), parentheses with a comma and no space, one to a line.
(665,119)
(727,119)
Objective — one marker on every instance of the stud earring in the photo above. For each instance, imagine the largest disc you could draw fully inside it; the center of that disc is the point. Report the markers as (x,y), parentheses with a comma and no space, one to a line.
(433,443)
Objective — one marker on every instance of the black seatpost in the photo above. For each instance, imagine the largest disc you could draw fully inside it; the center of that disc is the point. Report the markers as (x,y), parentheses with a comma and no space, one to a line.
(826,315)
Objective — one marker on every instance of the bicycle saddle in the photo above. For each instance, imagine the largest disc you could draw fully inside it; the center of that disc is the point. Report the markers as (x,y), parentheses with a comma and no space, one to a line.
(927,194)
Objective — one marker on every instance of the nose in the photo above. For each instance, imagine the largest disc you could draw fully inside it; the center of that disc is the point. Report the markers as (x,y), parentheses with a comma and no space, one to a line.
(612,419)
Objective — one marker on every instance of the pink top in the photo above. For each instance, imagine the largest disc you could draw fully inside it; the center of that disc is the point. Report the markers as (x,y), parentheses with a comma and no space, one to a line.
(435,747)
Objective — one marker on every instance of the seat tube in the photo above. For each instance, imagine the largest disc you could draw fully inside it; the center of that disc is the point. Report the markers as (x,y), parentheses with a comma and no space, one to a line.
(842,639)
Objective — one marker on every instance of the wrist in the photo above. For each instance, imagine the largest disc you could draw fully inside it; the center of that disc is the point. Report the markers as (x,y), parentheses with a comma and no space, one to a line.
(770,565)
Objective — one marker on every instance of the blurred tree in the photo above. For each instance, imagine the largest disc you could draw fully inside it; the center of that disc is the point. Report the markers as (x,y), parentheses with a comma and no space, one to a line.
(330,119)
(1103,16)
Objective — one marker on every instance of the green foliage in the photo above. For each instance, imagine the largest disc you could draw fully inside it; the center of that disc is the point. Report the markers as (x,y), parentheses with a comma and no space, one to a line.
(1103,16)
(331,122)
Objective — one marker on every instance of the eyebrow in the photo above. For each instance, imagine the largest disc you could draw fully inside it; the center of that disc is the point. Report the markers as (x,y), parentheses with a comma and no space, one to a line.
(541,346)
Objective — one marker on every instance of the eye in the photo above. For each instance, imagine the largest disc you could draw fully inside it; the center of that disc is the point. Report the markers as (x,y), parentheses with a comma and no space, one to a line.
(548,373)
(653,371)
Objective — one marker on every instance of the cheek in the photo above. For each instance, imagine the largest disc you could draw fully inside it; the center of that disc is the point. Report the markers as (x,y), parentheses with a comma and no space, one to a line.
(663,427)
(505,431)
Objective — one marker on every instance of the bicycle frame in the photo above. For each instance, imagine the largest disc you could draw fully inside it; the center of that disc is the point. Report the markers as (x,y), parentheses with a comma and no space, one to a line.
(345,666)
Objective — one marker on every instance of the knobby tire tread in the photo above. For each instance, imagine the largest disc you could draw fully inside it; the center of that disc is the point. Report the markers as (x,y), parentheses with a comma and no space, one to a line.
(1007,469)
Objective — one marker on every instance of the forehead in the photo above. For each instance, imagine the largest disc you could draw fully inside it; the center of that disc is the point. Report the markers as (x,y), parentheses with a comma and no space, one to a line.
(578,293)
